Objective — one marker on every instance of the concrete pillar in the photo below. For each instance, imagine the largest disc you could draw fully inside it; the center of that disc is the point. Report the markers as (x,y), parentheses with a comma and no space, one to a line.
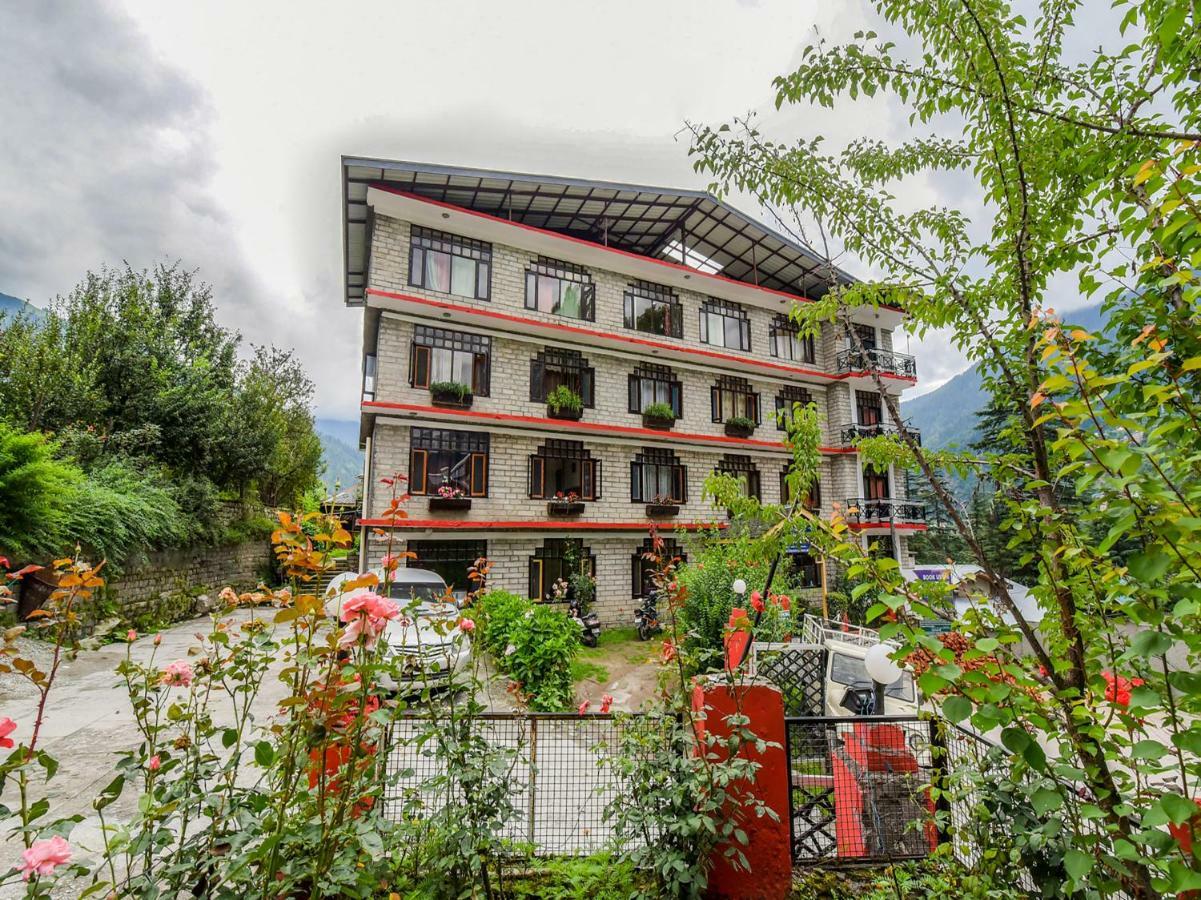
(768,850)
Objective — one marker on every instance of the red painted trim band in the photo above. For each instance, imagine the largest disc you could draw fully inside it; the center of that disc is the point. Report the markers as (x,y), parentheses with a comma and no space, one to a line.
(536,525)
(499,418)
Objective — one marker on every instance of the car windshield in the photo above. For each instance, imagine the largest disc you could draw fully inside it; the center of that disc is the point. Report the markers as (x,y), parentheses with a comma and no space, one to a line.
(430,598)
(850,670)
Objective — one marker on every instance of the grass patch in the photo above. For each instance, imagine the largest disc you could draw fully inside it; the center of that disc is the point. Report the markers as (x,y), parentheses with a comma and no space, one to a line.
(582,670)
(611,637)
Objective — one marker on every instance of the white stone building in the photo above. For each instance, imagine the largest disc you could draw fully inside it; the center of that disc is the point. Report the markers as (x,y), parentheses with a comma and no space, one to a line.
(513,285)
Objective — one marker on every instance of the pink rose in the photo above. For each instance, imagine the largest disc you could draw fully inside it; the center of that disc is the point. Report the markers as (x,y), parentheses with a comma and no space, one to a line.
(390,561)
(366,615)
(155,763)
(583,707)
(131,635)
(43,856)
(606,702)
(178,674)
(467,625)
(228,596)
(7,727)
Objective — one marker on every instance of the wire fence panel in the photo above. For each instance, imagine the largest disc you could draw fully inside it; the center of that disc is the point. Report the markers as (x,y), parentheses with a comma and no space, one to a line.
(555,767)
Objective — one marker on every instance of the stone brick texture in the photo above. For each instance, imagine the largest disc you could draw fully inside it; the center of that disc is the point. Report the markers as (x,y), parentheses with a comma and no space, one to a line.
(511,446)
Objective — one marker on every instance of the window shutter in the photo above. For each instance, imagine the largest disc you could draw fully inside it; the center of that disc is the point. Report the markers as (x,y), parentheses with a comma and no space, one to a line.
(755,404)
(636,580)
(537,380)
(420,367)
(480,375)
(531,290)
(704,320)
(479,475)
(537,477)
(677,398)
(745,328)
(535,578)
(588,302)
(588,479)
(417,471)
(587,386)
(784,486)
(629,310)
(715,403)
(416,266)
(636,482)
(635,394)
(679,483)
(675,317)
(596,479)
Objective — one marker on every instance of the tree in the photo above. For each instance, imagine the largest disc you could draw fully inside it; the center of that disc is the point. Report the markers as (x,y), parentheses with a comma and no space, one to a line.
(1078,163)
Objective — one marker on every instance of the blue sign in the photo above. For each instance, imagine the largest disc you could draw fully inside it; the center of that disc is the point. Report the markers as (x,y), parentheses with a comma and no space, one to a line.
(802,547)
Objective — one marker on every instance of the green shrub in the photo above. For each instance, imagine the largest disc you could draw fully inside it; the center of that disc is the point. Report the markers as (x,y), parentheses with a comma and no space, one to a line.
(598,877)
(564,398)
(708,578)
(34,491)
(533,643)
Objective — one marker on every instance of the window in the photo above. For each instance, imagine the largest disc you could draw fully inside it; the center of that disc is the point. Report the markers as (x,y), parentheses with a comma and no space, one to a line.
(875,484)
(560,288)
(369,376)
(653,309)
(786,342)
(652,383)
(867,337)
(804,569)
(733,396)
(725,324)
(812,502)
(852,672)
(564,467)
(869,408)
(450,559)
(881,546)
(457,458)
(742,469)
(449,264)
(656,476)
(443,355)
(558,558)
(553,367)
(643,569)
(789,395)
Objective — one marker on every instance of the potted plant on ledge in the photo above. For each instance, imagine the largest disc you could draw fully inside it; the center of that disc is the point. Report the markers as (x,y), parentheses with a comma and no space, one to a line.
(450,393)
(450,496)
(662,506)
(740,426)
(565,504)
(659,416)
(564,403)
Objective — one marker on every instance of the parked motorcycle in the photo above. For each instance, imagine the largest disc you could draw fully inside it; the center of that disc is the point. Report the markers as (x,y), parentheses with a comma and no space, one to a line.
(646,617)
(589,623)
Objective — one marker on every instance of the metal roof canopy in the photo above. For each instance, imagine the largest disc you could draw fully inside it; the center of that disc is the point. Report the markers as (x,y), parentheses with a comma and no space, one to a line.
(649,221)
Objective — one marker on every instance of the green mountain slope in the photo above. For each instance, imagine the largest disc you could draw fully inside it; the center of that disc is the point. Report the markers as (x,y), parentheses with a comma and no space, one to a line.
(339,451)
(947,415)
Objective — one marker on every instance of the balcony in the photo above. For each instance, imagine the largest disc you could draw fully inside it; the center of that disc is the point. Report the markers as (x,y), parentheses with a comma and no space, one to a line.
(882,513)
(886,362)
(853,431)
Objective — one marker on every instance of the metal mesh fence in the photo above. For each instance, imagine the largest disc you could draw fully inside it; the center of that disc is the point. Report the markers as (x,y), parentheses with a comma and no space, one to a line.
(555,767)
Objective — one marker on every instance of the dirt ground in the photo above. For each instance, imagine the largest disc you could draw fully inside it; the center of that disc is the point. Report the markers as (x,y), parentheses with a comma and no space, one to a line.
(622,666)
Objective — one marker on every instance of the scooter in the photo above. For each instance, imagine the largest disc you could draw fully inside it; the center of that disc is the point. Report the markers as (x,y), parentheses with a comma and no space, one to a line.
(646,617)
(589,623)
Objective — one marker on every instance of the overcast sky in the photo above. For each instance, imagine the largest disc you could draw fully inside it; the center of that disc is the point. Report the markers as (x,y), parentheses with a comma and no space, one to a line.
(210,133)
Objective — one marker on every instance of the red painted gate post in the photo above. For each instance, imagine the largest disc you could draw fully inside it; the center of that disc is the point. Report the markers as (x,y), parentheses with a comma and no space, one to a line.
(768,852)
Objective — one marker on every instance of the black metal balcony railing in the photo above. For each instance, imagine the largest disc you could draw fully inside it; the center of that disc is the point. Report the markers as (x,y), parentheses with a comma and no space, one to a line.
(862,511)
(853,431)
(885,362)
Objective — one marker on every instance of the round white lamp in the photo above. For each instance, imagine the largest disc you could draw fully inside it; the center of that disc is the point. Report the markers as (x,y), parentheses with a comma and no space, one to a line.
(881,668)
(739,586)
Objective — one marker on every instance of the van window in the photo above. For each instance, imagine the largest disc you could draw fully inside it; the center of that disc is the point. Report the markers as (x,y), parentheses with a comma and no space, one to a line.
(849,670)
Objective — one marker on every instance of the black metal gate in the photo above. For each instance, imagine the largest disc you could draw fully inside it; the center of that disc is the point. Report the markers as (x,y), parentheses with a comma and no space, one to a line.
(859,787)
(798,670)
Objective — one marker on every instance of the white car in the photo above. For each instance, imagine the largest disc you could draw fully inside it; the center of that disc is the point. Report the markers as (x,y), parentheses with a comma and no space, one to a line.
(428,646)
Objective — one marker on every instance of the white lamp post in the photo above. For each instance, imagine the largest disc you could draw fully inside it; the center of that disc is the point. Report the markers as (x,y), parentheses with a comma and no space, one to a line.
(739,587)
(882,669)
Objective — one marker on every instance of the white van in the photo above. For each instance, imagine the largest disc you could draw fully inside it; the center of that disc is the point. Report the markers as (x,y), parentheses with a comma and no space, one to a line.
(848,689)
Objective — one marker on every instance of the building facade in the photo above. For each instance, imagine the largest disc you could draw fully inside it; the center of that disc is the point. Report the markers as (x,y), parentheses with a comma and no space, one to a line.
(488,297)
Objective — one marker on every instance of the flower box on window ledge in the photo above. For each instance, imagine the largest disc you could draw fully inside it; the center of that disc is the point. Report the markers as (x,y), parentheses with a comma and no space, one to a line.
(449,498)
(740,427)
(662,508)
(659,416)
(569,505)
(451,393)
(564,403)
